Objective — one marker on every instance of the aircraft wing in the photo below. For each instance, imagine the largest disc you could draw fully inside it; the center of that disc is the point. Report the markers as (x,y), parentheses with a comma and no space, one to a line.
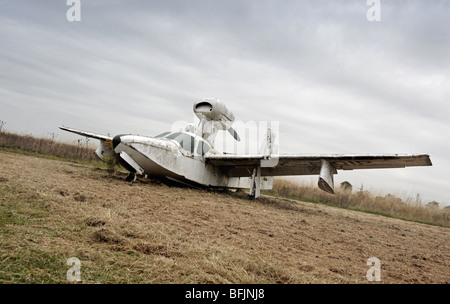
(282,165)
(87,134)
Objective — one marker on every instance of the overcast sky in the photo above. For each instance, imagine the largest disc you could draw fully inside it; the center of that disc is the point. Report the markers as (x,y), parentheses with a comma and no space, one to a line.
(335,81)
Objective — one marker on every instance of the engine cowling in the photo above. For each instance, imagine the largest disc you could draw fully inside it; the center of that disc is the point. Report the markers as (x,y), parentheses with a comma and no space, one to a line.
(212,109)
(214,116)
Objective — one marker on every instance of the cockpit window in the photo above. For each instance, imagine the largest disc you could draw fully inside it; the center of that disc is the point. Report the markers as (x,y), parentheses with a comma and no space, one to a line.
(188,142)
(185,140)
(162,135)
(202,148)
(172,135)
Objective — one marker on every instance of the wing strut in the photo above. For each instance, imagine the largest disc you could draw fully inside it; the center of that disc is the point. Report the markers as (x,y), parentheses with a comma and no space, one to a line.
(255,184)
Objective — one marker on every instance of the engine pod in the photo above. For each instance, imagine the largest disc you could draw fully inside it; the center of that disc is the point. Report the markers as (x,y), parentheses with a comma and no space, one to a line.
(213,109)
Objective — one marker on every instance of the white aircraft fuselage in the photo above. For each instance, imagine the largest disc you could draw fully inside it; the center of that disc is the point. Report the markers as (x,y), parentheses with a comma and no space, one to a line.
(189,156)
(175,160)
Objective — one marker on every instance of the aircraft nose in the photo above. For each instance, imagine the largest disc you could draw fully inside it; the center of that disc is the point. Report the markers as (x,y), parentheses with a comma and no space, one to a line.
(116,141)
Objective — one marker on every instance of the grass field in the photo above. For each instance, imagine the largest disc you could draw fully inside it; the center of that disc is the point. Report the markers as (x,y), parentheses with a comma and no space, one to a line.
(149,232)
(389,205)
(58,202)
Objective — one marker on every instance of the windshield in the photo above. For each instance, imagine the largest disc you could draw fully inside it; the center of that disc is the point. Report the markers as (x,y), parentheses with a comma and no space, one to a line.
(162,135)
(185,140)
(202,148)
(188,142)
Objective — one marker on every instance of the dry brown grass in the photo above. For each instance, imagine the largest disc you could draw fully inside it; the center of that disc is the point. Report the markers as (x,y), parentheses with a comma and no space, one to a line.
(148,232)
(82,150)
(388,205)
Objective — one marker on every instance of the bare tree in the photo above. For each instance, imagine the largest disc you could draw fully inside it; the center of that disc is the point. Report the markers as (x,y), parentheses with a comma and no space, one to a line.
(53,136)
(2,124)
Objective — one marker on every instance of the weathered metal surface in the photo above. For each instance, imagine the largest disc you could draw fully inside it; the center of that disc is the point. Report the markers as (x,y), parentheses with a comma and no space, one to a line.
(239,165)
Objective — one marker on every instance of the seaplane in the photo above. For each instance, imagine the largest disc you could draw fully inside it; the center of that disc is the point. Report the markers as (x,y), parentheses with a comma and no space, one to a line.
(189,156)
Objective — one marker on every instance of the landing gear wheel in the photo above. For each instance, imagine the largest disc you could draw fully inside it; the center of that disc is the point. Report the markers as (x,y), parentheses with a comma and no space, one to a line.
(131,177)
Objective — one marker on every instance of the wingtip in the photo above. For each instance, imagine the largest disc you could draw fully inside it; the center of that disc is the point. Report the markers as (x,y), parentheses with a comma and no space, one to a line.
(427,160)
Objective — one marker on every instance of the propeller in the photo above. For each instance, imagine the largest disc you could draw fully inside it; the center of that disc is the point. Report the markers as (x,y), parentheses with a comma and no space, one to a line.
(234,133)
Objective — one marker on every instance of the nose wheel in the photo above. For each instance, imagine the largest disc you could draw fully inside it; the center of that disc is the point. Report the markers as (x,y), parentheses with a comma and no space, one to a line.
(131,177)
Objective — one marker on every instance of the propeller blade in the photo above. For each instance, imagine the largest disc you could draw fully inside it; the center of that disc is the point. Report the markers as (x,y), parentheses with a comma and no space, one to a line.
(234,134)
